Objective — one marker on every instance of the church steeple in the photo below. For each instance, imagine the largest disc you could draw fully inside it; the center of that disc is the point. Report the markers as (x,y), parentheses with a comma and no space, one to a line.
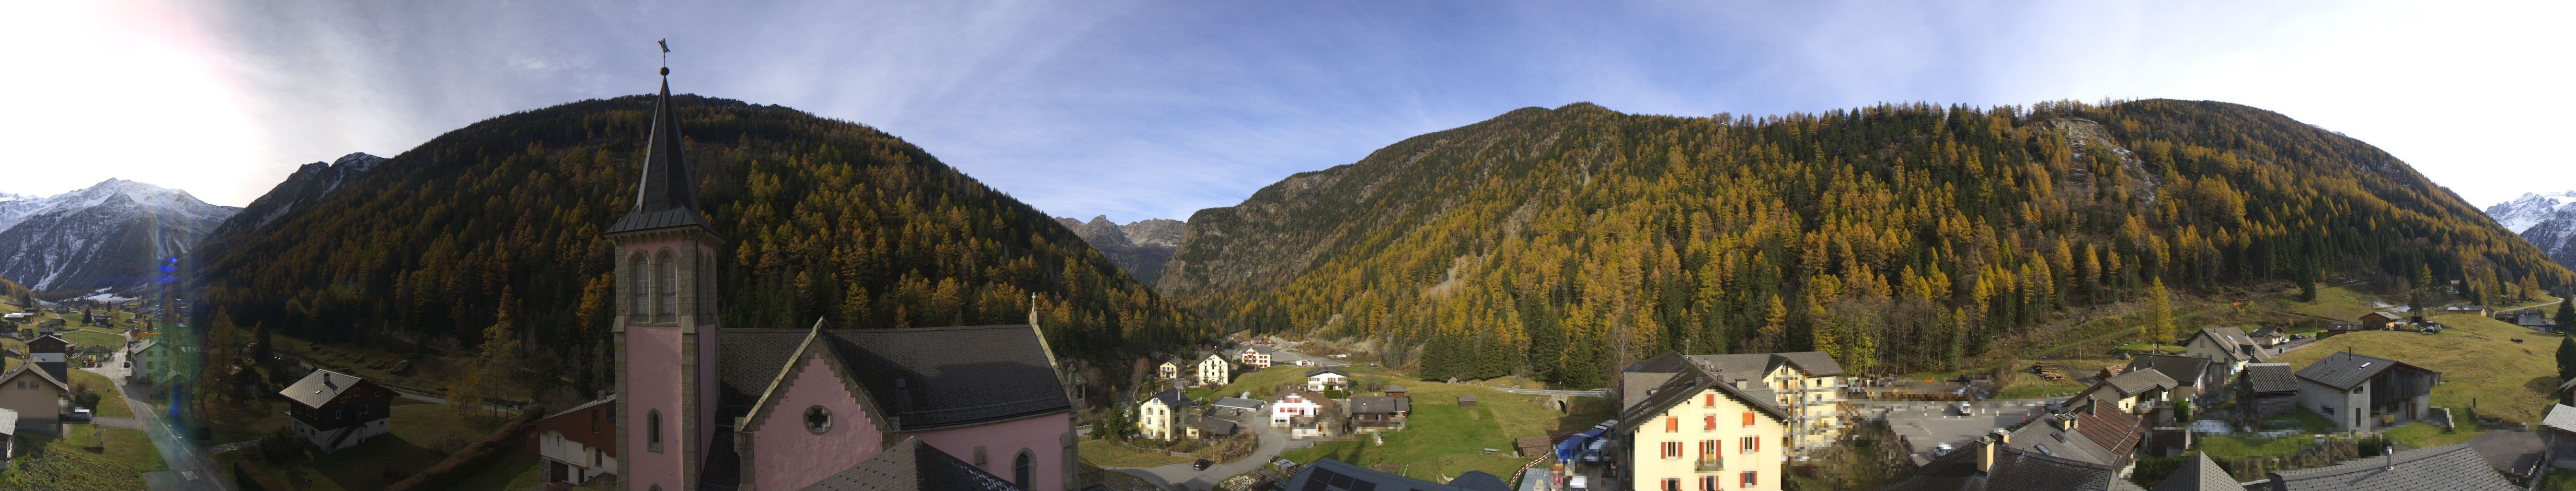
(667,195)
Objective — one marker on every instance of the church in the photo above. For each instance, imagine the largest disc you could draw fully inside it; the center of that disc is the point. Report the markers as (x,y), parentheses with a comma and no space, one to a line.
(705,406)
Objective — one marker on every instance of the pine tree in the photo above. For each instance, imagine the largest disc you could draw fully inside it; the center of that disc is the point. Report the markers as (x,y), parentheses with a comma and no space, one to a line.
(2566,359)
(2566,309)
(2160,322)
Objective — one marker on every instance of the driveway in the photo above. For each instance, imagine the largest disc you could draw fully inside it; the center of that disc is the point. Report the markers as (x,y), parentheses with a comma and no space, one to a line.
(191,468)
(1181,476)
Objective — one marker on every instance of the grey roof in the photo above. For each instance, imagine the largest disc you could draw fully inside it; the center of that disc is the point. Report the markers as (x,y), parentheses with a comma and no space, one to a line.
(1815,363)
(1374,404)
(2103,435)
(2139,382)
(1324,370)
(2271,377)
(2451,468)
(666,195)
(1334,475)
(2464,308)
(2237,343)
(2200,475)
(1633,386)
(1392,388)
(911,465)
(2344,369)
(1219,425)
(1681,388)
(1237,403)
(2184,370)
(2266,332)
(2014,470)
(1172,398)
(1007,373)
(320,387)
(2512,452)
(2561,416)
(1479,481)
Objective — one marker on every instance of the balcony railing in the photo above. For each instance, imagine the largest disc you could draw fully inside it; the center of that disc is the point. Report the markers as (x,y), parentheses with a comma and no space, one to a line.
(1709,464)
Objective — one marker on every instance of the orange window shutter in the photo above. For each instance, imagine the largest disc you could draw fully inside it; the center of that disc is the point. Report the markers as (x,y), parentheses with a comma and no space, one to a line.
(1708,400)
(1672,424)
(1748,418)
(1712,423)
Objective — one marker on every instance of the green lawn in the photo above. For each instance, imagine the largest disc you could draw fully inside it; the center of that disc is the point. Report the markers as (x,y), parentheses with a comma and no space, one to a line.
(2339,303)
(1445,439)
(422,435)
(516,470)
(2477,358)
(1106,453)
(46,462)
(2422,435)
(2159,348)
(109,403)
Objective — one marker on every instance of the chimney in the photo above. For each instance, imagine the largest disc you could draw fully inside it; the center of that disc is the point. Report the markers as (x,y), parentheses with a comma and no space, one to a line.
(1986,453)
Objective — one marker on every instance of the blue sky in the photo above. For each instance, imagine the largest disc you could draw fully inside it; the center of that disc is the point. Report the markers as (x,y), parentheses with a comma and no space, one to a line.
(1156,109)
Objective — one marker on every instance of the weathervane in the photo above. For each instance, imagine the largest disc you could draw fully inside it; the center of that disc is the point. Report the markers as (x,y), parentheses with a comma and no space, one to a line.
(666,55)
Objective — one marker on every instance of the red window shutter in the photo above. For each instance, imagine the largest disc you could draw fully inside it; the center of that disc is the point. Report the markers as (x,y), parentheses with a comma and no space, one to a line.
(1708,400)
(1748,418)
(1712,423)
(1707,483)
(1672,424)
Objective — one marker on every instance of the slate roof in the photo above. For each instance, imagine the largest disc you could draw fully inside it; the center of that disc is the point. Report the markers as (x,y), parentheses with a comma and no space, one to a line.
(2271,377)
(1237,403)
(2014,470)
(2103,435)
(2344,370)
(2200,475)
(1004,373)
(911,465)
(2561,416)
(1815,363)
(1334,475)
(1324,370)
(2512,452)
(2237,344)
(320,387)
(1172,398)
(2451,468)
(1220,426)
(2134,383)
(1682,388)
(2184,370)
(1373,404)
(666,195)
(2382,315)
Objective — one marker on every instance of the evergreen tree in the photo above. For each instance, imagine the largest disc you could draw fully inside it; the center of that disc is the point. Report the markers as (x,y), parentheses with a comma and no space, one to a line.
(2566,359)
(2566,310)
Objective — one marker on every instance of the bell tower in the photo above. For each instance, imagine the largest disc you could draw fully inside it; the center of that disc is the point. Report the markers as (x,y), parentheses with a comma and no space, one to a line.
(665,331)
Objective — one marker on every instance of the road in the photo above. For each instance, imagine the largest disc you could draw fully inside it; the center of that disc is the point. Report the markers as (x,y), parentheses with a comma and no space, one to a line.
(1181,476)
(194,467)
(1552,392)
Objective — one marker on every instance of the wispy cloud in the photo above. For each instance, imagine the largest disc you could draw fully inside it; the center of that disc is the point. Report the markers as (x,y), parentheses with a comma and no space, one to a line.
(1139,109)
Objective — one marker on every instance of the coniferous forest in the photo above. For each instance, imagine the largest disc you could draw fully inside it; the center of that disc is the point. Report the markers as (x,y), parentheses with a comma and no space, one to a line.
(1564,243)
(823,219)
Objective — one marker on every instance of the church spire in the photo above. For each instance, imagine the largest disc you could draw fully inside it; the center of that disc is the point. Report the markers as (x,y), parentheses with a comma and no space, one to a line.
(667,194)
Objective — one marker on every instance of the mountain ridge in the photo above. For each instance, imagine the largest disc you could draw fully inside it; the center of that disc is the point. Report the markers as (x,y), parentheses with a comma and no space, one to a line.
(111,235)
(1139,248)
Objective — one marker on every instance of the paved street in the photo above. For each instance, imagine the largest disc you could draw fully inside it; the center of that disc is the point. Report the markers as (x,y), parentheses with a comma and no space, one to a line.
(1181,476)
(190,467)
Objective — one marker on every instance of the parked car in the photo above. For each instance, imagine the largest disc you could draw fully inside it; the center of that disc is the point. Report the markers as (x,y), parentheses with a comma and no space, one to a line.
(77,416)
(1202,464)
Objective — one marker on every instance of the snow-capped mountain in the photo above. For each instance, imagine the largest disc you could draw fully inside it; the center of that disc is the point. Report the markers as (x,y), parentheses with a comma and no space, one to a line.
(111,235)
(2530,209)
(306,186)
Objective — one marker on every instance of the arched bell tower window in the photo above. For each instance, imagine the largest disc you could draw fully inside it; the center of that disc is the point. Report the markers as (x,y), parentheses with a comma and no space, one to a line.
(1023,468)
(639,282)
(653,430)
(666,278)
(818,420)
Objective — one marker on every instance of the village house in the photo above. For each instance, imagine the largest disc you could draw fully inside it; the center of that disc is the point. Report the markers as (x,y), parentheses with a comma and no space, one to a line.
(1374,413)
(2269,337)
(2270,389)
(2228,347)
(2355,391)
(1807,385)
(150,360)
(1236,407)
(1700,430)
(2141,391)
(1257,356)
(577,445)
(1169,370)
(48,327)
(2558,431)
(1328,378)
(2377,321)
(1163,417)
(2193,377)
(2529,318)
(2476,310)
(2092,447)
(1214,371)
(705,406)
(1296,406)
(39,392)
(1392,390)
(335,410)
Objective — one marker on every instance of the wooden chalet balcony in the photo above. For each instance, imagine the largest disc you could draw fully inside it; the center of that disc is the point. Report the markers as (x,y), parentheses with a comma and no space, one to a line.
(1709,464)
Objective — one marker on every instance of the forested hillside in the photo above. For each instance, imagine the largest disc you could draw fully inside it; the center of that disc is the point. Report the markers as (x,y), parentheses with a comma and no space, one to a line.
(1901,238)
(822,218)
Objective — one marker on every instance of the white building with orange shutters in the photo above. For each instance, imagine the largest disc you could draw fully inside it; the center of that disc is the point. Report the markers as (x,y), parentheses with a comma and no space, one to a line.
(1698,431)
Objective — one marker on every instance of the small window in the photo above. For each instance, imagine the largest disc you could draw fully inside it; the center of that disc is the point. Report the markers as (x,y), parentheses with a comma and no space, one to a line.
(1750,480)
(818,420)
(1672,484)
(653,430)
(1024,468)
